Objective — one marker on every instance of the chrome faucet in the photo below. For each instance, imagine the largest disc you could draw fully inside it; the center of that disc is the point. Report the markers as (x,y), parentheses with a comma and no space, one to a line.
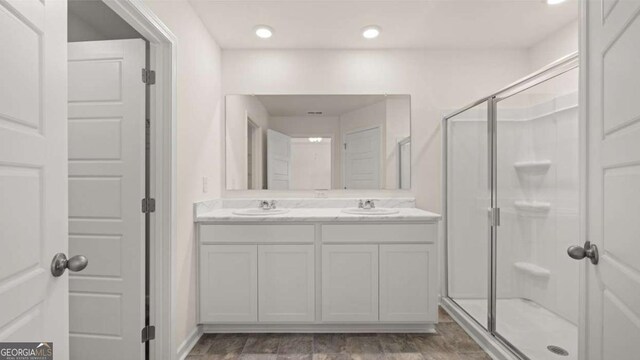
(366,204)
(266,205)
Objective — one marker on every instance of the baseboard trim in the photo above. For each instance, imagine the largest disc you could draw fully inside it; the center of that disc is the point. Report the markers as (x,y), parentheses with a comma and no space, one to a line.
(486,341)
(192,339)
(318,328)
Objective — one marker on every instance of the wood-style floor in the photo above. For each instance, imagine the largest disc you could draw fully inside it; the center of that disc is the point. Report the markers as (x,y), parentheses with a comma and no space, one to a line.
(450,343)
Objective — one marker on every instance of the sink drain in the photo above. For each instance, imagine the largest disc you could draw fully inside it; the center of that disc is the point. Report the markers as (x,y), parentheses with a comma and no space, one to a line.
(558,350)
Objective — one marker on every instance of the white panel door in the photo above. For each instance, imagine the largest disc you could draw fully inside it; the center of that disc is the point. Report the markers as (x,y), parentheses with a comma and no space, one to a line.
(228,283)
(33,181)
(278,161)
(613,117)
(286,283)
(362,159)
(407,283)
(106,184)
(350,283)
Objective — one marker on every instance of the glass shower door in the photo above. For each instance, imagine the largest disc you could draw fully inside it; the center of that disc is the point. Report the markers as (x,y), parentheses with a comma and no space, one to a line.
(538,196)
(468,200)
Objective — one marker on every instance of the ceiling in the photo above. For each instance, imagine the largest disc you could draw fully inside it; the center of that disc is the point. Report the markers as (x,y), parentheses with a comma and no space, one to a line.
(329,105)
(435,24)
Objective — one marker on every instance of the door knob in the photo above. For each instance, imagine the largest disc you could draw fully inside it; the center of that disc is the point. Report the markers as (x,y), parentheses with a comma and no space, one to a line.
(60,263)
(588,251)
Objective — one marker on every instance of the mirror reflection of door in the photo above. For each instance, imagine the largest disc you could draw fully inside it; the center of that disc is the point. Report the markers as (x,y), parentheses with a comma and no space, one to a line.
(362,159)
(278,160)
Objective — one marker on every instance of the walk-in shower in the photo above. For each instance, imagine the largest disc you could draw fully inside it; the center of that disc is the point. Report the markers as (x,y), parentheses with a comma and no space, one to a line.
(511,171)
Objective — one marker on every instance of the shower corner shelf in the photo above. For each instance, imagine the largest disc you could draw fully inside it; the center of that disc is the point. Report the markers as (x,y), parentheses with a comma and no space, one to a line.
(533,166)
(532,269)
(532,207)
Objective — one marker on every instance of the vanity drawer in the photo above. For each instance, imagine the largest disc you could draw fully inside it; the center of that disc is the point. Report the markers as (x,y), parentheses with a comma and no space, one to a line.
(257,234)
(380,233)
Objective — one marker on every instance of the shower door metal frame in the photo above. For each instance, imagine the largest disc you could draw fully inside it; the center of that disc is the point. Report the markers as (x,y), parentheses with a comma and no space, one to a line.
(549,72)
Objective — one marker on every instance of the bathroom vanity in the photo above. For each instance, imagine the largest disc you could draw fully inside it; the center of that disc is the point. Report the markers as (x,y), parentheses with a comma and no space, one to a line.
(316,268)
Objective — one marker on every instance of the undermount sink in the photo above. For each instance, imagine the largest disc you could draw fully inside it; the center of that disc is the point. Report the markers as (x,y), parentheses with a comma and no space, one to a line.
(260,212)
(374,211)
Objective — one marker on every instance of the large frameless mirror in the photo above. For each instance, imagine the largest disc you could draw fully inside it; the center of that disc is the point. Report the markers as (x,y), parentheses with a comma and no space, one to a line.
(306,142)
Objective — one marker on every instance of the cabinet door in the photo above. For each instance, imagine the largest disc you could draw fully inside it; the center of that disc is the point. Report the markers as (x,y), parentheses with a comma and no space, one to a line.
(286,275)
(228,283)
(350,283)
(407,281)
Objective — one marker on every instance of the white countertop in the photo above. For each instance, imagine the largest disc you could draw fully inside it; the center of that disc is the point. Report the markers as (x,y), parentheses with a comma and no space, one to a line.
(316,214)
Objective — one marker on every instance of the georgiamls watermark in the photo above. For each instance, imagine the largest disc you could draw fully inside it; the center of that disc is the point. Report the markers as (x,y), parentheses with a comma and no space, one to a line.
(26,351)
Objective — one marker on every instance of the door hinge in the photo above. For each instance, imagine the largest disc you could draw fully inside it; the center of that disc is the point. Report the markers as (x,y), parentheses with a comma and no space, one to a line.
(148,205)
(494,217)
(148,333)
(148,77)
(345,146)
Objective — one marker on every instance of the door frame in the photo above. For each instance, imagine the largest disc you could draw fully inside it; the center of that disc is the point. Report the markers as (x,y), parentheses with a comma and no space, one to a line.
(163,54)
(583,168)
(398,150)
(256,148)
(343,154)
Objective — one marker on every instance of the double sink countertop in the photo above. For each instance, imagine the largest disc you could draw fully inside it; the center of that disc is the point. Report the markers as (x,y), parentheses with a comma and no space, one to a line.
(310,210)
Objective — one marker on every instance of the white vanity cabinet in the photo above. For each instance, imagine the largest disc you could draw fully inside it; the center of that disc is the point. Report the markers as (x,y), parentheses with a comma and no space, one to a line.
(407,274)
(244,268)
(317,276)
(228,283)
(286,281)
(350,283)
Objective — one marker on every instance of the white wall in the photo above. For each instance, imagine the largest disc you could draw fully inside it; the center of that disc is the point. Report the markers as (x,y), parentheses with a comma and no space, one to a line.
(238,107)
(561,43)
(199,129)
(437,81)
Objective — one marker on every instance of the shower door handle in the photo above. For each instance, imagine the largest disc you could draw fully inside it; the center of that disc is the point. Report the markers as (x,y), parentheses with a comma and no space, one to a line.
(588,251)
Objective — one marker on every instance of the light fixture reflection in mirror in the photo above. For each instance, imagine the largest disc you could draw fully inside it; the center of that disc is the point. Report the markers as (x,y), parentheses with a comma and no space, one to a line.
(308,142)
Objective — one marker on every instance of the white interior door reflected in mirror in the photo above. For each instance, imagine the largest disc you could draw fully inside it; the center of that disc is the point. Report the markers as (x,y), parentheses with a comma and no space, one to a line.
(317,128)
(278,160)
(362,159)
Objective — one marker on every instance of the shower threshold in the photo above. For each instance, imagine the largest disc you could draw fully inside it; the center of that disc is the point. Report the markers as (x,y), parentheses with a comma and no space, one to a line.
(529,327)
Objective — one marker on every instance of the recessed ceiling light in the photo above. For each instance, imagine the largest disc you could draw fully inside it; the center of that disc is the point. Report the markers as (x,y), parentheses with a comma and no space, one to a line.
(371,32)
(264,31)
(555,2)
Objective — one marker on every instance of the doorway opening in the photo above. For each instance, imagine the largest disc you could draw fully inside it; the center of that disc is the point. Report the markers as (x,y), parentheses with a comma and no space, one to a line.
(311,162)
(120,120)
